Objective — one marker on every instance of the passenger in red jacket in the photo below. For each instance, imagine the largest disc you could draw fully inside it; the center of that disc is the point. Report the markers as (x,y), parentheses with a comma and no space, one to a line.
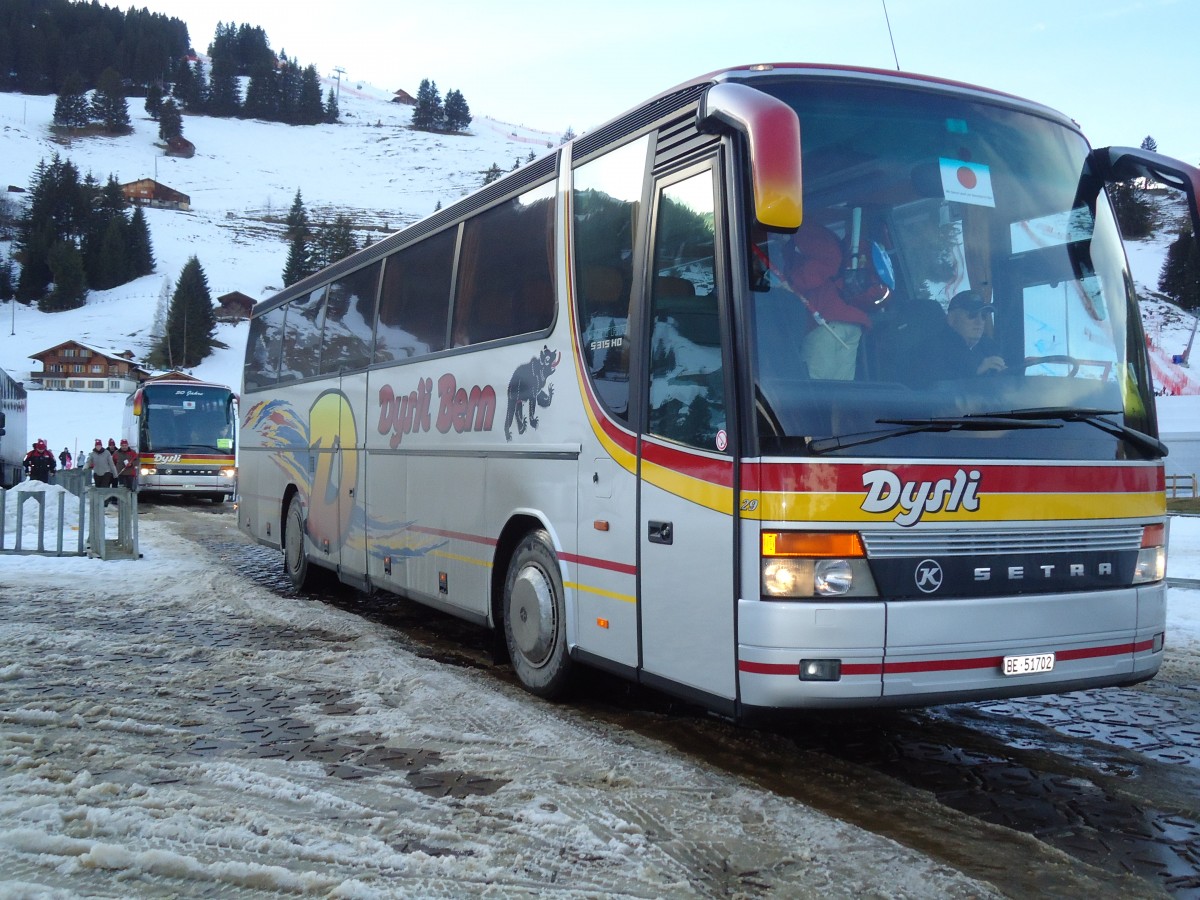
(40,463)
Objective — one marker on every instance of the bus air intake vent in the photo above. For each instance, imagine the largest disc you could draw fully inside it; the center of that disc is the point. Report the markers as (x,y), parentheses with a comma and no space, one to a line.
(885,545)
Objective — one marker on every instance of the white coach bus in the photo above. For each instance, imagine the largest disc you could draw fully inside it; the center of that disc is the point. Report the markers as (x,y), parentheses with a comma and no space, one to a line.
(681,400)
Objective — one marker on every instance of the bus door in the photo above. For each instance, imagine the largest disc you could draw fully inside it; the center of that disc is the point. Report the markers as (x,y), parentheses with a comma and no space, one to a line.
(335,429)
(350,464)
(686,468)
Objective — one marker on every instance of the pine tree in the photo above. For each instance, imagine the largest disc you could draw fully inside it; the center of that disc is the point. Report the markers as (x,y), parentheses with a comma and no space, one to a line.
(428,113)
(492,174)
(1149,143)
(458,114)
(1180,276)
(7,284)
(298,265)
(262,95)
(186,89)
(568,135)
(139,248)
(1132,210)
(109,105)
(112,267)
(309,110)
(332,241)
(158,328)
(191,323)
(58,210)
(71,109)
(70,284)
(170,121)
(154,99)
(224,96)
(331,108)
(297,220)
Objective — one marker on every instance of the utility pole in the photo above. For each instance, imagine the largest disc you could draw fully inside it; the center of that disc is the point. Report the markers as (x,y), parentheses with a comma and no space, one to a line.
(338,73)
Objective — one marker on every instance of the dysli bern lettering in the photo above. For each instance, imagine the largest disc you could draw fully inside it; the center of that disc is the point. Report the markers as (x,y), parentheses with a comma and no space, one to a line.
(912,499)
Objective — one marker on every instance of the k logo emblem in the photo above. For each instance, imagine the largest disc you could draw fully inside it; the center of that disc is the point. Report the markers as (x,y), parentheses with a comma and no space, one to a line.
(928,575)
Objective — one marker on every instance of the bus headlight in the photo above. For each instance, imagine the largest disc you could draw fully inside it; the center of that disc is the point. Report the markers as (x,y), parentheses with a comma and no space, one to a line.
(148,470)
(1152,557)
(228,473)
(797,565)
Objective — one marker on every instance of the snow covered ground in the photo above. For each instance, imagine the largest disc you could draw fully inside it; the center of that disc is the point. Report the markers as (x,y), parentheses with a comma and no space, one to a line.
(132,701)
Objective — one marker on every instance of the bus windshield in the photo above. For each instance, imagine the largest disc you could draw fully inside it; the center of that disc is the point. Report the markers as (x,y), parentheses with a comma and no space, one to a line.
(957,288)
(193,419)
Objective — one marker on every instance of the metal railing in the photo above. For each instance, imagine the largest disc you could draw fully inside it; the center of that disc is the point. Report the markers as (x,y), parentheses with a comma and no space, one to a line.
(70,521)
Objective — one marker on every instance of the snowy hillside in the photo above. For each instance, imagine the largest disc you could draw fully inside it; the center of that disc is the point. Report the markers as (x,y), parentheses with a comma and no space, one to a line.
(242,181)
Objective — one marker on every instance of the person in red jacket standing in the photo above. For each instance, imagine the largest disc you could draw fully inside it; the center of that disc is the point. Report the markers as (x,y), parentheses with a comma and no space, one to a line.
(40,463)
(126,460)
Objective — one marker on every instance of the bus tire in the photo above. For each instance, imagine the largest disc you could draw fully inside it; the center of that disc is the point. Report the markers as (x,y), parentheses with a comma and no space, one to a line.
(295,560)
(535,626)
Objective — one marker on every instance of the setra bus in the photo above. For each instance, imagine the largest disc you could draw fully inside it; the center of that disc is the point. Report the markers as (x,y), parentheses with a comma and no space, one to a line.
(678,401)
(184,432)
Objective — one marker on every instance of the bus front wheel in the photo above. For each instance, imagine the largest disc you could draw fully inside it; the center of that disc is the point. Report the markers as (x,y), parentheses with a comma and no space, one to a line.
(535,627)
(295,560)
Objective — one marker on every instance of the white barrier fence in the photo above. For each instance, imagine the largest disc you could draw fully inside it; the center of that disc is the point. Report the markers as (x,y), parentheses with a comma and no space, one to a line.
(68,520)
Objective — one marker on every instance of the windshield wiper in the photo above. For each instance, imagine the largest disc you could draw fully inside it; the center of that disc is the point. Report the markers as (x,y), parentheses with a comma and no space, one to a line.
(1093,417)
(1002,422)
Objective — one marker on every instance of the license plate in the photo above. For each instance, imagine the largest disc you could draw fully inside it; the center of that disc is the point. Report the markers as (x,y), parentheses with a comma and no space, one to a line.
(1033,664)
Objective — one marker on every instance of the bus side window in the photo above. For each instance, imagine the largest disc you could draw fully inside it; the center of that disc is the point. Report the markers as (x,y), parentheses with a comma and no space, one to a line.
(687,387)
(302,336)
(265,343)
(607,207)
(415,299)
(505,279)
(349,318)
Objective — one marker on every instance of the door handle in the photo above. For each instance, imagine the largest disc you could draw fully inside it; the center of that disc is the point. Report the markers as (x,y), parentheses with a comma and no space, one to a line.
(660,532)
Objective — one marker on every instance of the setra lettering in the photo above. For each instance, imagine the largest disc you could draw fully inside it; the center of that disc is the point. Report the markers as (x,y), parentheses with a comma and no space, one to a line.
(913,499)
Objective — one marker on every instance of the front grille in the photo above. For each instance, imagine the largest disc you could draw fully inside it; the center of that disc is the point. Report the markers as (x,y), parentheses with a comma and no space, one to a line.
(891,545)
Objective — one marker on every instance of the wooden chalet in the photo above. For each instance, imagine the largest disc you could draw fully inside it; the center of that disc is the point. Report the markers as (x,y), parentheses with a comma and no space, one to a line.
(148,192)
(75,366)
(234,306)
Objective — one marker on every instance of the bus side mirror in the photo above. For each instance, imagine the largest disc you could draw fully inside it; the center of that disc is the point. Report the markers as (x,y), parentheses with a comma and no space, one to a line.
(1119,164)
(772,131)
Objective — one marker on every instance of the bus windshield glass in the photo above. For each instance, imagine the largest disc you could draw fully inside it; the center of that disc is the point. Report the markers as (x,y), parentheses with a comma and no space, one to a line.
(957,288)
(182,418)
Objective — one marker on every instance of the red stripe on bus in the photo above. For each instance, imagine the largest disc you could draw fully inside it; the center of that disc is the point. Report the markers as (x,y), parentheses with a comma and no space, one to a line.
(592,561)
(1029,478)
(596,563)
(942,665)
(457,535)
(705,468)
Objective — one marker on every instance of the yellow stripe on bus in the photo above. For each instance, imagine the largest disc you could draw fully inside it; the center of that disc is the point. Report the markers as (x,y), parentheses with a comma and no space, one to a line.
(460,558)
(992,507)
(612,595)
(705,493)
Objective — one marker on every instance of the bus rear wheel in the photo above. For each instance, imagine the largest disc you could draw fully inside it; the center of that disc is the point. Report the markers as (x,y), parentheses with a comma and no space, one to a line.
(295,560)
(535,627)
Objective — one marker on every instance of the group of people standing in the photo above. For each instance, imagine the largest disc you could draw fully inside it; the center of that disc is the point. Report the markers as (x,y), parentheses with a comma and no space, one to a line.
(110,466)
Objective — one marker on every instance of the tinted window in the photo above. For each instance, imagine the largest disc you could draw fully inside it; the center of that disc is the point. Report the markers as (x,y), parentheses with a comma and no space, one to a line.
(687,388)
(302,336)
(607,197)
(415,301)
(263,346)
(349,318)
(506,272)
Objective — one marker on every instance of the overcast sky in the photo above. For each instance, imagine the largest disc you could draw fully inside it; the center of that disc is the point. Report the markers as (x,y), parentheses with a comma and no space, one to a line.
(1124,69)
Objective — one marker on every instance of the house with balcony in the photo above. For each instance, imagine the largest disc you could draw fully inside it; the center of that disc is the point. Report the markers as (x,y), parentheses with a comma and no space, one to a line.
(76,366)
